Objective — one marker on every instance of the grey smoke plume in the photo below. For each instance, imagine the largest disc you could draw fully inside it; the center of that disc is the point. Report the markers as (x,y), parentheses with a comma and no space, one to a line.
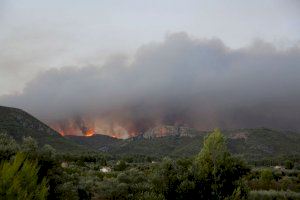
(184,81)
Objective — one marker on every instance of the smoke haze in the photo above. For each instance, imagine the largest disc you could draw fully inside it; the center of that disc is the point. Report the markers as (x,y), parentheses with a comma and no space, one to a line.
(181,81)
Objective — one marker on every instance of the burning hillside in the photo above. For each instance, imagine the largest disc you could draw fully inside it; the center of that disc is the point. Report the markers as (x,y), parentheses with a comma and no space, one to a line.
(119,131)
(90,127)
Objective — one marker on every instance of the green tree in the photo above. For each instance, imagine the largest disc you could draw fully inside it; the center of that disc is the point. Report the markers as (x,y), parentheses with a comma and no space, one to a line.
(289,164)
(214,174)
(8,146)
(29,145)
(120,166)
(19,180)
(217,173)
(166,179)
(48,151)
(266,175)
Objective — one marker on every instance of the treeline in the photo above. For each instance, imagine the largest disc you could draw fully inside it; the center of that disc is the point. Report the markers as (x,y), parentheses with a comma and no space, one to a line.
(288,161)
(29,172)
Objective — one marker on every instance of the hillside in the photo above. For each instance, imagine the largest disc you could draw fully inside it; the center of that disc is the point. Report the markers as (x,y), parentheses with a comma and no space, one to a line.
(159,141)
(167,130)
(96,142)
(19,124)
(263,142)
(249,143)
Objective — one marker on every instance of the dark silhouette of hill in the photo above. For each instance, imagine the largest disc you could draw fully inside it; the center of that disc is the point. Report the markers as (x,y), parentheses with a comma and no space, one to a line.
(19,124)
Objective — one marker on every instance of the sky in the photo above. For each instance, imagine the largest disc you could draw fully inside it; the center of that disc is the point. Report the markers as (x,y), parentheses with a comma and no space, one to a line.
(38,35)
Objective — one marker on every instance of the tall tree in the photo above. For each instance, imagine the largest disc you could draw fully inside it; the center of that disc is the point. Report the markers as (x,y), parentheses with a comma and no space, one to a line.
(217,173)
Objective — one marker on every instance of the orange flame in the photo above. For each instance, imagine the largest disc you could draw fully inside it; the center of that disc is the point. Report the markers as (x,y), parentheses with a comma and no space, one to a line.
(61,132)
(91,127)
(89,133)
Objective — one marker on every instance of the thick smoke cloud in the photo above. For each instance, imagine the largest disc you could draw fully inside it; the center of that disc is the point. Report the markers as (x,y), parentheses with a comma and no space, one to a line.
(182,81)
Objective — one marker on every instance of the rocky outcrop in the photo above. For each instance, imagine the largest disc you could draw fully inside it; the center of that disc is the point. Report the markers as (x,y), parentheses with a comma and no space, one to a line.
(165,130)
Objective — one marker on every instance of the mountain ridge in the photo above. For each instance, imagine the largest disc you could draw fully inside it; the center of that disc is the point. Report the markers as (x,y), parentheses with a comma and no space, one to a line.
(164,140)
(249,143)
(18,124)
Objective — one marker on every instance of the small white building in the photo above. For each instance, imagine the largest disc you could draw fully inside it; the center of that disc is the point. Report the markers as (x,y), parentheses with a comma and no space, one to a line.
(105,169)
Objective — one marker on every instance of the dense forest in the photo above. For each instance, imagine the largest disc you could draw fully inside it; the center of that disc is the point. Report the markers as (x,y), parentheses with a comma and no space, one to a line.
(30,172)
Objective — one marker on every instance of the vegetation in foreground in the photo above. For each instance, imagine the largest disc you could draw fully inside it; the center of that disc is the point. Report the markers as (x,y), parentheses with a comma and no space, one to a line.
(28,172)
